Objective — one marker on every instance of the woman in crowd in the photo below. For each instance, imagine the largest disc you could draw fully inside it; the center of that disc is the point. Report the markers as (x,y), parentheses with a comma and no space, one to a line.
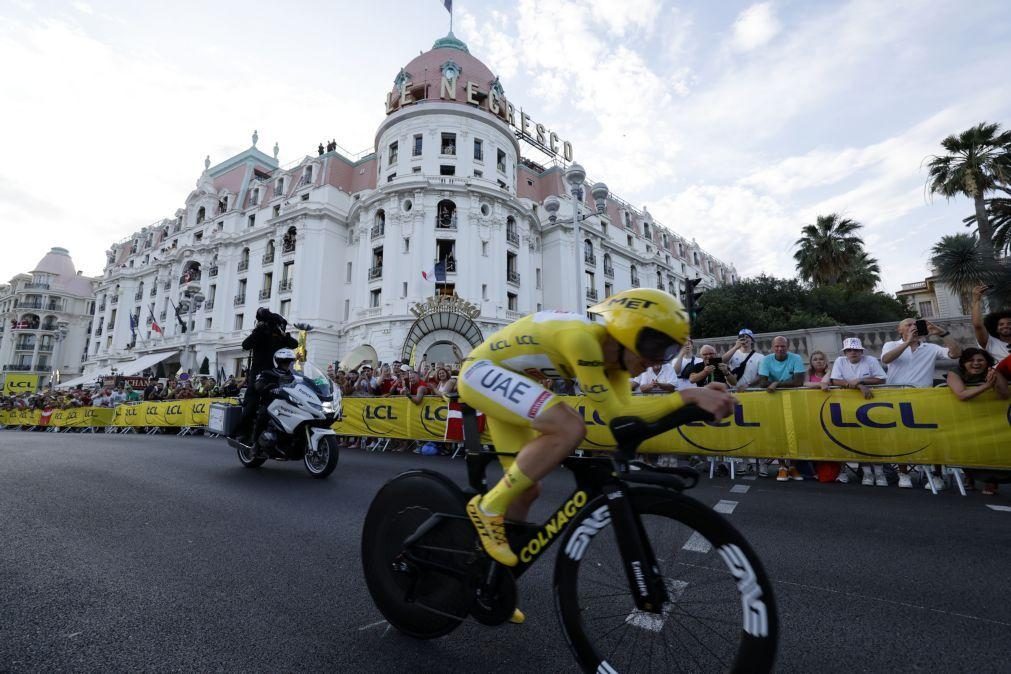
(385,381)
(444,384)
(974,376)
(817,371)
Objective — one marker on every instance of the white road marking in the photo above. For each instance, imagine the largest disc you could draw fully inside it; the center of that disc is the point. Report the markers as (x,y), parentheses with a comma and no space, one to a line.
(697,543)
(654,621)
(725,507)
(739,489)
(750,477)
(997,507)
(375,624)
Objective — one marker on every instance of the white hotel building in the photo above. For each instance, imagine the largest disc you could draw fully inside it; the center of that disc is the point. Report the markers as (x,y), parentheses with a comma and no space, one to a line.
(342,242)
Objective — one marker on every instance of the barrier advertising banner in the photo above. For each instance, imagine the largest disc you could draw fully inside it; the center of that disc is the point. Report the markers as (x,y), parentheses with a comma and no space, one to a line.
(896,426)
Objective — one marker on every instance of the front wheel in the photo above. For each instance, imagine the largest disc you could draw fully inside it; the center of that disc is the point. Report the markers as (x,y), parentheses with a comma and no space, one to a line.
(721,615)
(321,462)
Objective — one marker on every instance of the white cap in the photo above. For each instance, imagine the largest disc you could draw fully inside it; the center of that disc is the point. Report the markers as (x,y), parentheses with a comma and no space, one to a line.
(405,368)
(852,343)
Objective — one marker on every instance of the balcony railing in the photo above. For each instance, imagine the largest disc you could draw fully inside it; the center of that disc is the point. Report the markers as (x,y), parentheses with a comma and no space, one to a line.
(513,237)
(285,286)
(376,272)
(18,367)
(243,265)
(154,290)
(98,332)
(36,285)
(378,231)
(24,346)
(54,306)
(162,315)
(45,348)
(513,277)
(287,247)
(101,307)
(139,295)
(27,304)
(167,285)
(115,299)
(208,305)
(591,294)
(212,271)
(609,272)
(268,258)
(446,222)
(239,300)
(590,258)
(265,294)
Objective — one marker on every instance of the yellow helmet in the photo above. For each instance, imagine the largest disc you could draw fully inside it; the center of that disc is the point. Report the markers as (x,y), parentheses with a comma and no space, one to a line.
(648,322)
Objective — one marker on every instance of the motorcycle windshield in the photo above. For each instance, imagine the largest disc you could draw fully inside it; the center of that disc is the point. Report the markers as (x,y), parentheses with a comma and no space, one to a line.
(317,380)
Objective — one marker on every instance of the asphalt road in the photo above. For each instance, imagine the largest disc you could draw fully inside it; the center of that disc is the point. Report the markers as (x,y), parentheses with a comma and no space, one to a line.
(163,553)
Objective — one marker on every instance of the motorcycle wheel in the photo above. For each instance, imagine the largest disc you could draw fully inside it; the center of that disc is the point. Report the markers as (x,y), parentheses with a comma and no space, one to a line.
(322,462)
(247,458)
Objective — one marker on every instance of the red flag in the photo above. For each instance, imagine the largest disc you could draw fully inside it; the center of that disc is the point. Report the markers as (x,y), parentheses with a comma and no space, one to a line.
(156,328)
(454,422)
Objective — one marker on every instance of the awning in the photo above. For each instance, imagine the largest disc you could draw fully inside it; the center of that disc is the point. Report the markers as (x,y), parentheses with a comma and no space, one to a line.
(87,379)
(136,367)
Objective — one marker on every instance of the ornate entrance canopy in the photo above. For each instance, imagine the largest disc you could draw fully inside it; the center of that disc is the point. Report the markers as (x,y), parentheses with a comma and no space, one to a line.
(442,319)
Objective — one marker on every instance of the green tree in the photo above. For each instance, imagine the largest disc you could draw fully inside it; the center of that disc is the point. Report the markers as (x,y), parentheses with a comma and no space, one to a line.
(770,304)
(863,275)
(998,210)
(975,162)
(963,262)
(827,250)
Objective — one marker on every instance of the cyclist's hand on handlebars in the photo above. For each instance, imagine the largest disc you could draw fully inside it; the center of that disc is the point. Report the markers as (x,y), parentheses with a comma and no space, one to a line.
(714,399)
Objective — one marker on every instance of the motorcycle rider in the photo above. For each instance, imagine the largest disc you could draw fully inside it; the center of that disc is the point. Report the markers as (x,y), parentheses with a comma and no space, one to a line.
(267,337)
(269,382)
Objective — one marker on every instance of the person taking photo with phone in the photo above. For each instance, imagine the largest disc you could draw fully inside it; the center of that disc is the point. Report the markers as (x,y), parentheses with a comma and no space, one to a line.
(993,331)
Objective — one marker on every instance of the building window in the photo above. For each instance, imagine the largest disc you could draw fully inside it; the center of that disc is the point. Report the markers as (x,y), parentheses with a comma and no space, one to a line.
(926,309)
(391,177)
(512,301)
(348,279)
(276,211)
(484,291)
(478,174)
(255,200)
(207,323)
(251,220)
(500,161)
(238,322)
(415,169)
(279,187)
(695,257)
(634,276)
(394,152)
(285,308)
(484,248)
(645,230)
(445,170)
(628,239)
(478,149)
(375,298)
(537,277)
(403,292)
(307,176)
(445,214)
(407,244)
(347,309)
(449,143)
(608,290)
(201,215)
(418,140)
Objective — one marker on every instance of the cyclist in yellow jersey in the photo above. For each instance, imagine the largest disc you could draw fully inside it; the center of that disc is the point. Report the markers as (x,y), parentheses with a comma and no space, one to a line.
(504,376)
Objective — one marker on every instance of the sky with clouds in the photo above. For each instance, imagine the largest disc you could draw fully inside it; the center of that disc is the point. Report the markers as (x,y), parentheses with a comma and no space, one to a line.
(736,123)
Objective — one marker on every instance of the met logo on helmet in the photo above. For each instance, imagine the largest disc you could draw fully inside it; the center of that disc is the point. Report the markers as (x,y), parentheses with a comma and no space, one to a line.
(631,302)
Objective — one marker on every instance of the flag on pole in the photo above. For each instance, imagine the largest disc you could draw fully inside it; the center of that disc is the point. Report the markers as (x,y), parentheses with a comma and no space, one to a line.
(428,275)
(182,323)
(154,324)
(440,271)
(449,5)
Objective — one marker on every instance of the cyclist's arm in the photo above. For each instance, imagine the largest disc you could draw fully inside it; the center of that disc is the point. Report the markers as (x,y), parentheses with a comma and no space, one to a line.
(610,395)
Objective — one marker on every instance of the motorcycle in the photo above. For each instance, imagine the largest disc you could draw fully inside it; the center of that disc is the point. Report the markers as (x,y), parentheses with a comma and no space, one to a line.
(298,425)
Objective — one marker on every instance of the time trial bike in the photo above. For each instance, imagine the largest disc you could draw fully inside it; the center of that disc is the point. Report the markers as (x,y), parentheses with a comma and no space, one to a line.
(647,579)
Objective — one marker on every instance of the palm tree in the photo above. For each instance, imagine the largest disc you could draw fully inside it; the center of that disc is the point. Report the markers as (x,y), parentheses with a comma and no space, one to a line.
(977,160)
(963,262)
(828,249)
(864,274)
(998,210)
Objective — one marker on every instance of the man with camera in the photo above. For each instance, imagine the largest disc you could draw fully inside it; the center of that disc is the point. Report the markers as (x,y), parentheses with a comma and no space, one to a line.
(267,337)
(710,369)
(743,359)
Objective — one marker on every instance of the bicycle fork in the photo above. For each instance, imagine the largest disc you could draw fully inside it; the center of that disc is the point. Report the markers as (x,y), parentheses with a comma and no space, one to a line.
(641,570)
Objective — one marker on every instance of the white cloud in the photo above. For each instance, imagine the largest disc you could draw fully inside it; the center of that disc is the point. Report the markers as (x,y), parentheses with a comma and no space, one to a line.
(83,7)
(622,16)
(754,27)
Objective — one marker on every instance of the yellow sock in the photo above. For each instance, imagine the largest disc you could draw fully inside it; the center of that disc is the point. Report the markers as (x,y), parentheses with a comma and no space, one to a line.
(512,484)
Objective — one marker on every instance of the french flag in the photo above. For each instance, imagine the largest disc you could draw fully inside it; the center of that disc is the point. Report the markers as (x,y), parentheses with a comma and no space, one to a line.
(428,275)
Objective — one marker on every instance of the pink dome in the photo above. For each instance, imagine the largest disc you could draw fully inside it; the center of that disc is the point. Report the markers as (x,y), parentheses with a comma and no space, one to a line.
(424,72)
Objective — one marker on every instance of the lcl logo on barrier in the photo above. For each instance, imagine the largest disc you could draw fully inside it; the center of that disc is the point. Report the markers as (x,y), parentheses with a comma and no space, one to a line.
(377,413)
(433,414)
(874,416)
(19,384)
(737,419)
(174,409)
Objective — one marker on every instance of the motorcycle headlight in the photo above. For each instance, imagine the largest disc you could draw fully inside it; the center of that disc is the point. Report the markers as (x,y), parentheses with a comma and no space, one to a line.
(328,407)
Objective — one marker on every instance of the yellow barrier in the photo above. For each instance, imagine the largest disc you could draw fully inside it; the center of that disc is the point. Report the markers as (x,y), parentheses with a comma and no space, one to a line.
(896,425)
(173,413)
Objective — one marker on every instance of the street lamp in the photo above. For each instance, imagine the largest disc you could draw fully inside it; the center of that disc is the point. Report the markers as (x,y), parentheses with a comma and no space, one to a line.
(62,330)
(190,301)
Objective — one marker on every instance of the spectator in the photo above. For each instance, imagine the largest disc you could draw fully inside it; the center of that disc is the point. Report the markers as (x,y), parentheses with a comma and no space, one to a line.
(132,395)
(657,379)
(818,372)
(363,383)
(415,388)
(855,370)
(711,369)
(993,332)
(445,384)
(683,364)
(231,388)
(149,389)
(911,362)
(118,397)
(975,375)
(385,381)
(743,359)
(103,399)
(783,369)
